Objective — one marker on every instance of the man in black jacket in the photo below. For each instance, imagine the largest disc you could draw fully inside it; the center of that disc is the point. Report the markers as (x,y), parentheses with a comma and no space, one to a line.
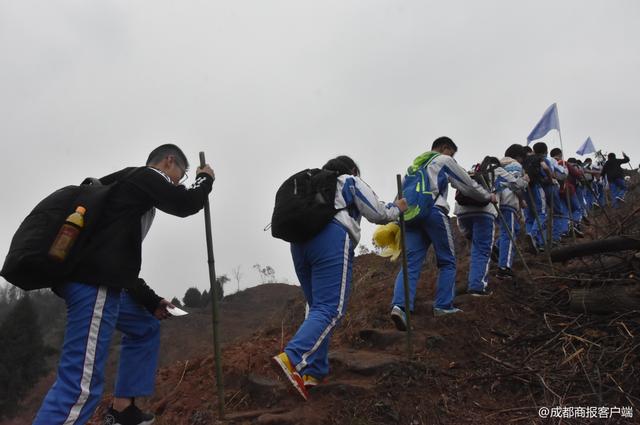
(105,293)
(612,170)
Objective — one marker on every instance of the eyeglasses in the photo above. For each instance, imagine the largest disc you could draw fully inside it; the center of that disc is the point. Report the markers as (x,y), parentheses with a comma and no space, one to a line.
(185,176)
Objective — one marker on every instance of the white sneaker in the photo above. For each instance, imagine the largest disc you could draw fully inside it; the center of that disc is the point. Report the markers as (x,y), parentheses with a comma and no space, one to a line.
(444,311)
(399,318)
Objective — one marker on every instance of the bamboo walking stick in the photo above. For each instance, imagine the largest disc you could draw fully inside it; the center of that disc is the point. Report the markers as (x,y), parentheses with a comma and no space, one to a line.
(213,292)
(405,273)
(509,233)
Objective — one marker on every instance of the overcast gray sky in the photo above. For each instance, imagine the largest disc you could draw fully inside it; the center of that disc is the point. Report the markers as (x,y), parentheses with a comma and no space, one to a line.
(267,88)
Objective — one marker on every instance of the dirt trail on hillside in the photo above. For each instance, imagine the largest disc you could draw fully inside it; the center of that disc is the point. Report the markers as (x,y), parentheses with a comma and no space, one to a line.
(500,361)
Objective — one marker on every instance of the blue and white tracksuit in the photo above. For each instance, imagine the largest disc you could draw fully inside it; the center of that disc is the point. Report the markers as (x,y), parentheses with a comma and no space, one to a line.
(477,224)
(324,267)
(580,193)
(537,230)
(552,194)
(576,207)
(509,207)
(436,229)
(93,313)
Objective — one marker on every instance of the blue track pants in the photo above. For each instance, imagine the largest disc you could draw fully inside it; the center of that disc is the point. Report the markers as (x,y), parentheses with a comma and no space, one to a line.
(479,229)
(434,229)
(507,249)
(93,312)
(618,189)
(324,267)
(560,216)
(535,229)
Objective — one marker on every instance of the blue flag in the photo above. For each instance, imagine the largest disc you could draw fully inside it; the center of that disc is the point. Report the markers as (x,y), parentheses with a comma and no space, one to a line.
(586,148)
(548,122)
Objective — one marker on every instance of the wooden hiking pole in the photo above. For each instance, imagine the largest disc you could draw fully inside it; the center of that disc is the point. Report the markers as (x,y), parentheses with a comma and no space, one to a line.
(405,273)
(509,233)
(213,292)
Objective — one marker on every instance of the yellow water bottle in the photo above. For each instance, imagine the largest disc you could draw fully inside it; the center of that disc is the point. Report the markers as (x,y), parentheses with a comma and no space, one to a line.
(67,235)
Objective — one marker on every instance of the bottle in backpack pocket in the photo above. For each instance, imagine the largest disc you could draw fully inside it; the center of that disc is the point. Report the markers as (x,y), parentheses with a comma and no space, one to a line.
(67,235)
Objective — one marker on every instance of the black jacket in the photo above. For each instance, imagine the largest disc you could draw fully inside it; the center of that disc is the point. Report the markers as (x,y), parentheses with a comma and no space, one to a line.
(612,168)
(113,255)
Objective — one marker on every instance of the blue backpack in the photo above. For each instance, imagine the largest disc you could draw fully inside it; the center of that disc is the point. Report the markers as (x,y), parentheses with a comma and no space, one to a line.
(415,188)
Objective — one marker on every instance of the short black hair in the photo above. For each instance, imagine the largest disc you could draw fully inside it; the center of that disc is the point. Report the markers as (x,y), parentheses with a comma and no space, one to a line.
(611,155)
(515,151)
(161,152)
(587,161)
(343,165)
(444,142)
(527,150)
(572,161)
(555,151)
(540,148)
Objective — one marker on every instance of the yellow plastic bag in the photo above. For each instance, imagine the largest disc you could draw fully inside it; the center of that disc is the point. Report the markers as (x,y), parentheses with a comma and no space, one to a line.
(387,237)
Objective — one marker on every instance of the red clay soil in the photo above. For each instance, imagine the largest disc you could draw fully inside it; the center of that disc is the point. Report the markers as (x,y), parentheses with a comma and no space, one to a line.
(500,361)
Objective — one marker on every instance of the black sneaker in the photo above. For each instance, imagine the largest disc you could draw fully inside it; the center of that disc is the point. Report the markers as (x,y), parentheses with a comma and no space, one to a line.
(129,416)
(504,273)
(484,293)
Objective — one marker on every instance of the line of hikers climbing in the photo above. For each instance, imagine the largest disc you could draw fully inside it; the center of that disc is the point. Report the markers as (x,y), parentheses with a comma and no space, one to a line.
(319,212)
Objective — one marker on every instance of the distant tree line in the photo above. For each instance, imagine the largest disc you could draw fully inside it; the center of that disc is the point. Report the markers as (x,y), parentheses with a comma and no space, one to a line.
(193,298)
(24,354)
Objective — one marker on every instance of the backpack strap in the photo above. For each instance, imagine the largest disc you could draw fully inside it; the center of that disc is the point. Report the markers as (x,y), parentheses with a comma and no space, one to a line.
(422,161)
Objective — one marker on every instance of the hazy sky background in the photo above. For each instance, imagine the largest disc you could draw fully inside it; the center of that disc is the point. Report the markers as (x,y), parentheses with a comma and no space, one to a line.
(269,88)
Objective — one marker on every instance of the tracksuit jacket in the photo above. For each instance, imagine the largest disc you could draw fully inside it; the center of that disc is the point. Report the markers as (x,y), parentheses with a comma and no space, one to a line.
(510,208)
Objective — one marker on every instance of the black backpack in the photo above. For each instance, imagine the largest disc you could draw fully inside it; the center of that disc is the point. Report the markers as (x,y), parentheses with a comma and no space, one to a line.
(305,204)
(531,166)
(483,174)
(28,264)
